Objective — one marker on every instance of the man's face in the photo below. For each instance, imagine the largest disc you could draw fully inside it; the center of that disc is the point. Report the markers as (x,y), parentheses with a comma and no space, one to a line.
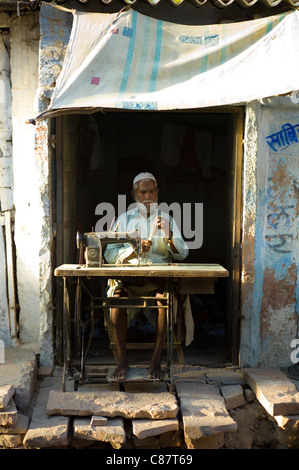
(146,192)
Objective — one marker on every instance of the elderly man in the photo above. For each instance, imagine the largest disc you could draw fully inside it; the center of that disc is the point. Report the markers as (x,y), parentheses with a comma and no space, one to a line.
(161,242)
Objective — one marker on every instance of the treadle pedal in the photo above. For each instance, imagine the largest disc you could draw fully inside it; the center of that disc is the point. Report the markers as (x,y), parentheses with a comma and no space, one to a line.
(135,374)
(134,303)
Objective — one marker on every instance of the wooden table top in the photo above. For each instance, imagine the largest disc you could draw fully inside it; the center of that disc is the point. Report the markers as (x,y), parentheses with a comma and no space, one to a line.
(188,270)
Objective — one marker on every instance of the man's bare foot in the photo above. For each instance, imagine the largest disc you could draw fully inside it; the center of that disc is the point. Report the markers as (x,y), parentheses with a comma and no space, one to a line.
(121,370)
(155,372)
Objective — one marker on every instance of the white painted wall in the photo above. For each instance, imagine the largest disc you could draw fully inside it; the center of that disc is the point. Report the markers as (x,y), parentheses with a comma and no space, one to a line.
(6,181)
(24,36)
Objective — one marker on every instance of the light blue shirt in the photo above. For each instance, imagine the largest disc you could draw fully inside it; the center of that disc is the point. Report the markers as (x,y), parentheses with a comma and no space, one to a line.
(160,251)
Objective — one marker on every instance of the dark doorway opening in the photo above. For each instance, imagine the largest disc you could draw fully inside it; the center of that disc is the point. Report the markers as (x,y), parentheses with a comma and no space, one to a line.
(196,158)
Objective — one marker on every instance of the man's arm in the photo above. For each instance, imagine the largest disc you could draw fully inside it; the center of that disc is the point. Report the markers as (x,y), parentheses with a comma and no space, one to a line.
(173,239)
(118,252)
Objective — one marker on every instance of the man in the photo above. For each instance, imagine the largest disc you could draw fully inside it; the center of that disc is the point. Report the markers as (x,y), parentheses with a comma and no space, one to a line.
(161,242)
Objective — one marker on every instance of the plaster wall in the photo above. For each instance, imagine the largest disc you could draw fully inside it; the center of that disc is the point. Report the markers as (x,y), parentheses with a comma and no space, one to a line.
(6,179)
(270,291)
(24,37)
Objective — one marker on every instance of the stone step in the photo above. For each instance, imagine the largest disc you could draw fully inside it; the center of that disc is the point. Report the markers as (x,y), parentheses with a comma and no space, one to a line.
(45,431)
(113,404)
(204,413)
(276,393)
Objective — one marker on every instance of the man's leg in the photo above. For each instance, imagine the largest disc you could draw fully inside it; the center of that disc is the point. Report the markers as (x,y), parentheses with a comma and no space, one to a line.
(155,371)
(119,327)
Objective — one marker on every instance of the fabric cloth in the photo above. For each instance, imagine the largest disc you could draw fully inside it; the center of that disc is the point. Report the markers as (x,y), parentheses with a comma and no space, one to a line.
(127,60)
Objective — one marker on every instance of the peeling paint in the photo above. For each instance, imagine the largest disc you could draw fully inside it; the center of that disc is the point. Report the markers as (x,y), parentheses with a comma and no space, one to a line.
(271,314)
(278,314)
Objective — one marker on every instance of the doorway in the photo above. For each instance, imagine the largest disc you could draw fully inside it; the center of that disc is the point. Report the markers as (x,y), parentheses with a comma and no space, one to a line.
(196,158)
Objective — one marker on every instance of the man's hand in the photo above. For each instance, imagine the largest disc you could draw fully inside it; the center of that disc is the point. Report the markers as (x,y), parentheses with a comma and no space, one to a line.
(145,246)
(164,225)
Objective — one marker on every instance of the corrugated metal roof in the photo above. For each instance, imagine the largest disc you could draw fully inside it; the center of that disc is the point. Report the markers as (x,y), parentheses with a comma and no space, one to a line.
(199,3)
(175,3)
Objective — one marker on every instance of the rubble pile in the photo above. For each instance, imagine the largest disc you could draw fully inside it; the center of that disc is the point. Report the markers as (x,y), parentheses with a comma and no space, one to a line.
(13,425)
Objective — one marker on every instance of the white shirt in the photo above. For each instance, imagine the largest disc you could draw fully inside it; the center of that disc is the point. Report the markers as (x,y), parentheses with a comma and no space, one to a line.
(160,251)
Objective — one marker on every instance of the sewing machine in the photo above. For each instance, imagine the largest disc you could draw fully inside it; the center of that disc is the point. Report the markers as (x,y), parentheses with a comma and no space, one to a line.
(95,241)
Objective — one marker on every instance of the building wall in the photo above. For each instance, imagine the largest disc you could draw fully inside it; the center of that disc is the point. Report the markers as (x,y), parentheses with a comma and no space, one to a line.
(270,285)
(269,289)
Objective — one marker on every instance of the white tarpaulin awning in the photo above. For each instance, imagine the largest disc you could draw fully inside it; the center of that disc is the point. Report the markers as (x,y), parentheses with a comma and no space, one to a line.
(128,60)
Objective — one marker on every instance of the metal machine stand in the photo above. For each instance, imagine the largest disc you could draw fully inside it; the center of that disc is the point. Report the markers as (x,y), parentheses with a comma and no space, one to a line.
(74,325)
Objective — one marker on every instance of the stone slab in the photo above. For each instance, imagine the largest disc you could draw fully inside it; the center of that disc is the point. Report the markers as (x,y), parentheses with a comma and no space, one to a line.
(9,415)
(233,396)
(171,439)
(225,376)
(143,428)
(289,423)
(20,427)
(276,393)
(203,410)
(6,393)
(147,443)
(45,431)
(98,421)
(10,441)
(216,441)
(19,370)
(112,404)
(113,432)
(190,376)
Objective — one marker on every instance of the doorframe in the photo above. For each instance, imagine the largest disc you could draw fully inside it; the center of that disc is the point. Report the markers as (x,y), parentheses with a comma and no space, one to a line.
(238,114)
(237,235)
